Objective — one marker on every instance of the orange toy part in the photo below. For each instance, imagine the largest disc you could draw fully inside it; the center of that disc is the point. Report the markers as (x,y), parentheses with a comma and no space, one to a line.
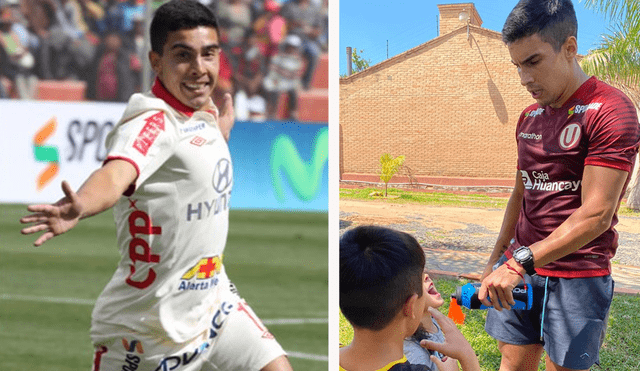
(455,312)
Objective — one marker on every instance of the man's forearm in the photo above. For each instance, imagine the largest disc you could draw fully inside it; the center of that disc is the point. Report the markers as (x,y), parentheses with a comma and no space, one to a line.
(104,187)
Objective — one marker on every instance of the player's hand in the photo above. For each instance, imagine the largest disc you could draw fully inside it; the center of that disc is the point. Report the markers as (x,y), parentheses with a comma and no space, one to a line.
(227,117)
(53,219)
(497,288)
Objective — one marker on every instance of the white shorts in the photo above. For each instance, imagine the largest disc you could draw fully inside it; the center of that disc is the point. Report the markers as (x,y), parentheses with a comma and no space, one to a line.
(236,340)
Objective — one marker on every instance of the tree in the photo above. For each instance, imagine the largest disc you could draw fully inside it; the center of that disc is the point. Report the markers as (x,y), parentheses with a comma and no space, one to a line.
(388,167)
(359,63)
(617,59)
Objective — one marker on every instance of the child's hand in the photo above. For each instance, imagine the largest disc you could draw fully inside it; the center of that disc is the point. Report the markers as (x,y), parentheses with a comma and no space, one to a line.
(455,344)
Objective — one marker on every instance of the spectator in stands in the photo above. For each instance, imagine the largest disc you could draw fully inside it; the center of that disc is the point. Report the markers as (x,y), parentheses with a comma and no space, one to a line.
(16,59)
(92,14)
(270,28)
(305,20)
(225,80)
(235,21)
(249,104)
(285,71)
(117,71)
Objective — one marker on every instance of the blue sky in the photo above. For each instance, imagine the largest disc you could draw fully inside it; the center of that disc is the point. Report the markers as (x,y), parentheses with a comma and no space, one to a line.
(368,24)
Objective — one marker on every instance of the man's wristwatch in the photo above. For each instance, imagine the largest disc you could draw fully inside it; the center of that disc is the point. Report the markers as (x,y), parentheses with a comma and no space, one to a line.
(523,256)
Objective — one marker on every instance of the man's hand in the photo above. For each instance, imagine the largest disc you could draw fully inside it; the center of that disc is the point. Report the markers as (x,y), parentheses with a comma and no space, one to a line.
(53,219)
(455,344)
(227,117)
(498,286)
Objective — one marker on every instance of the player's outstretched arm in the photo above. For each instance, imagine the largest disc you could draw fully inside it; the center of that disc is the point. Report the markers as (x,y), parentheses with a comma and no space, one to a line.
(100,192)
(455,344)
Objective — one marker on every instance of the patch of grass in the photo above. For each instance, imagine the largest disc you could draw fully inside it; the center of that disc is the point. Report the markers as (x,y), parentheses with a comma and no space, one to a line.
(620,351)
(278,261)
(427,198)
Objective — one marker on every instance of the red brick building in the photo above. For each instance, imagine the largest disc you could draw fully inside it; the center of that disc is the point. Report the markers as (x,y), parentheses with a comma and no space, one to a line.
(449,105)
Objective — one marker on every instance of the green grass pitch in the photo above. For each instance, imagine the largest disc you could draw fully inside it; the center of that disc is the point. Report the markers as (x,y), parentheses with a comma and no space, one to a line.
(278,261)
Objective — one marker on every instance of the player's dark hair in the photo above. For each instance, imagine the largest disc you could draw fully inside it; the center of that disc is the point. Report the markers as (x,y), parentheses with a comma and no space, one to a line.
(553,20)
(179,15)
(380,269)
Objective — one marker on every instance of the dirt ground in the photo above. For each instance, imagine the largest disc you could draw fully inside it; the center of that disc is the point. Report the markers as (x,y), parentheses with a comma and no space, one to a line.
(458,228)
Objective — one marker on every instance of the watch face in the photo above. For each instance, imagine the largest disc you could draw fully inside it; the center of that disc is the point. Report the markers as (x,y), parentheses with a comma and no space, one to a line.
(521,254)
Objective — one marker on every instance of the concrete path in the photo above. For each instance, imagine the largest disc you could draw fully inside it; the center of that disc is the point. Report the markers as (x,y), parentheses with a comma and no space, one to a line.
(466,264)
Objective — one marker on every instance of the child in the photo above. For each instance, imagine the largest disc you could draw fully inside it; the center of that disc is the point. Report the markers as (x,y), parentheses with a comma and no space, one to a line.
(384,294)
(428,329)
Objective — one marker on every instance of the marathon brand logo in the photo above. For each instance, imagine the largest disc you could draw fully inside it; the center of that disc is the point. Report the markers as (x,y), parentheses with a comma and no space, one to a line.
(570,136)
(533,136)
(193,128)
(222,182)
(204,272)
(140,226)
(132,361)
(173,362)
(582,109)
(150,131)
(540,182)
(534,113)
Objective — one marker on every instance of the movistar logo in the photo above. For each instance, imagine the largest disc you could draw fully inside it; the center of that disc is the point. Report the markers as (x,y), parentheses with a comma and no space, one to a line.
(303,177)
(47,154)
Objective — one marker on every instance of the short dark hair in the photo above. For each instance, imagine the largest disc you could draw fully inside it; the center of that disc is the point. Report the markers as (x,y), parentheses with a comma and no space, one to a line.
(553,20)
(179,15)
(380,268)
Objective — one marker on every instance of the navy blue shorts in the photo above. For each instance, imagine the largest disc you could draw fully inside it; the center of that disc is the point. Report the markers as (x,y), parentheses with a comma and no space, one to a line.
(571,325)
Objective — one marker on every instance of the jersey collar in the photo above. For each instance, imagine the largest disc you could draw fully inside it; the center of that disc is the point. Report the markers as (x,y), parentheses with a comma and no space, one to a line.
(161,92)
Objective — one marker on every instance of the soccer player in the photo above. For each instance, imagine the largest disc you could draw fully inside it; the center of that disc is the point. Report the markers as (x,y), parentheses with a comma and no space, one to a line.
(576,149)
(168,176)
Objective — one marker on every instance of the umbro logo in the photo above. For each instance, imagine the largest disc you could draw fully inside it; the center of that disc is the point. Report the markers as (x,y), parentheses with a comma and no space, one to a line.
(198,141)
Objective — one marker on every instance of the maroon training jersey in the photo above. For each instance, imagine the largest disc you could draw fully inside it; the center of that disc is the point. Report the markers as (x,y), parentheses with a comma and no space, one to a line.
(597,126)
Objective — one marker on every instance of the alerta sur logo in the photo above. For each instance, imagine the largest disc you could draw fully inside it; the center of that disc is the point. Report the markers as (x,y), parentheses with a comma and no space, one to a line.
(582,109)
(204,272)
(44,153)
(534,113)
(305,179)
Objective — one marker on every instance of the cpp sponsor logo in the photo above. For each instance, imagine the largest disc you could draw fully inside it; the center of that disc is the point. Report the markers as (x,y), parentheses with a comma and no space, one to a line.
(139,249)
(222,181)
(577,109)
(204,272)
(570,136)
(539,181)
(534,113)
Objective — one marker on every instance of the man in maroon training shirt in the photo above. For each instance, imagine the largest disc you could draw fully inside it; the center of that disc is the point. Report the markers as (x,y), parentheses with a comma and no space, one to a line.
(576,151)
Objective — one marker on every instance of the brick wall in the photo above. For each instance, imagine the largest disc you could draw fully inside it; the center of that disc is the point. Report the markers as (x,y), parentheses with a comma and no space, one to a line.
(450,106)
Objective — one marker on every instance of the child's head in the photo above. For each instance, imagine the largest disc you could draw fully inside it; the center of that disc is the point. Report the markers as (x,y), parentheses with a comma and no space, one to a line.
(380,270)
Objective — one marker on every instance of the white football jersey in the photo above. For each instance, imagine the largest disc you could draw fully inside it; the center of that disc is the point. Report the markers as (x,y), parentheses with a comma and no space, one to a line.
(172,224)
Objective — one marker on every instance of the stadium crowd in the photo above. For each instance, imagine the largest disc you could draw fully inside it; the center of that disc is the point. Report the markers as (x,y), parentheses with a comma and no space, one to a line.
(269,48)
